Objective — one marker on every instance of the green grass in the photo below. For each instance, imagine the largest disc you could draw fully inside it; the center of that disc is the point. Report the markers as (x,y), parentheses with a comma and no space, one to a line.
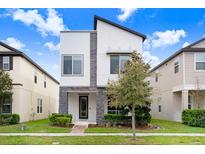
(100,140)
(38,126)
(165,127)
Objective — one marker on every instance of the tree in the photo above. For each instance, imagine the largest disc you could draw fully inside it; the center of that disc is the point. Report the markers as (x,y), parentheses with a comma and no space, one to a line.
(131,89)
(5,85)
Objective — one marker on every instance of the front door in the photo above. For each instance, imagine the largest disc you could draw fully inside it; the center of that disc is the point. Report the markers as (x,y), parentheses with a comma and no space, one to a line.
(83,107)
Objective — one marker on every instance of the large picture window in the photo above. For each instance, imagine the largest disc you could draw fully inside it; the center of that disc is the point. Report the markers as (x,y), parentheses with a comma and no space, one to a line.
(73,65)
(6,63)
(200,61)
(117,63)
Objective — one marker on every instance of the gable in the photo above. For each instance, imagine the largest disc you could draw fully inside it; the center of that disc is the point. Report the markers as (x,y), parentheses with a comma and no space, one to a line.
(4,49)
(199,45)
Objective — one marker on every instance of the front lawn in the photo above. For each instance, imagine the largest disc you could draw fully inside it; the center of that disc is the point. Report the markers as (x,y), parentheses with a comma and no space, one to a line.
(38,126)
(99,140)
(165,127)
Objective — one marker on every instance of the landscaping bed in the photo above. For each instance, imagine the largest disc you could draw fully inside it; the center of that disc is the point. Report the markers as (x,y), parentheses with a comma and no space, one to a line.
(161,126)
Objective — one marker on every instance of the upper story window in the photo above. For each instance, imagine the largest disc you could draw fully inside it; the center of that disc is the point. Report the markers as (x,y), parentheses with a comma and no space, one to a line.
(73,65)
(44,83)
(156,77)
(6,63)
(176,67)
(117,63)
(200,61)
(35,77)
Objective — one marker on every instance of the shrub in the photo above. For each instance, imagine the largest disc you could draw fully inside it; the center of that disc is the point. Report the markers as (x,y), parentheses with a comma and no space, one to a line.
(62,121)
(116,118)
(54,118)
(142,115)
(194,118)
(6,119)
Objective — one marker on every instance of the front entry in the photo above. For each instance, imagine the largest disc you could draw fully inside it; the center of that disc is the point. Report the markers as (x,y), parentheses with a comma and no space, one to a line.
(83,107)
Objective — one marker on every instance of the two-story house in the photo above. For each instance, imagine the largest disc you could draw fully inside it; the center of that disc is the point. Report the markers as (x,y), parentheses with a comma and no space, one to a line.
(35,92)
(179,82)
(88,60)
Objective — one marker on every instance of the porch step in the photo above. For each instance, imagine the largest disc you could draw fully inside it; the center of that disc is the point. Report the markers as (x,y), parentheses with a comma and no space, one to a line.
(79,128)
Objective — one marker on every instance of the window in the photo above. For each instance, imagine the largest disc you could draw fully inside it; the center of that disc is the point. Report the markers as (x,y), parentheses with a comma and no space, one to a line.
(44,82)
(6,106)
(156,77)
(200,61)
(73,64)
(35,77)
(39,105)
(117,63)
(160,108)
(189,102)
(176,67)
(6,63)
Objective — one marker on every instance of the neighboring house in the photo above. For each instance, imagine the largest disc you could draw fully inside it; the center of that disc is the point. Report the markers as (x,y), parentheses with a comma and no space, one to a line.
(35,92)
(179,82)
(88,60)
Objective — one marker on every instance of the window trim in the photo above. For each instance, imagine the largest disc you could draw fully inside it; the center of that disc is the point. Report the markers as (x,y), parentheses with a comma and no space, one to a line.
(176,62)
(71,75)
(39,107)
(119,64)
(10,98)
(6,63)
(195,62)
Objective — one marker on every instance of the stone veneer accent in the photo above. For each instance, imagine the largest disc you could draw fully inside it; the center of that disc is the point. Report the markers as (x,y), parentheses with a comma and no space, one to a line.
(63,100)
(100,105)
(93,59)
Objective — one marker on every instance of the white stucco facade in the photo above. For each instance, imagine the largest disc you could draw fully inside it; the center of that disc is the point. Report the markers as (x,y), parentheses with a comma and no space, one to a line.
(112,39)
(95,46)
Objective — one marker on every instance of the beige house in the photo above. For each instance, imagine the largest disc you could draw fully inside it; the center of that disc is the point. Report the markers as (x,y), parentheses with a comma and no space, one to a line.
(35,92)
(179,82)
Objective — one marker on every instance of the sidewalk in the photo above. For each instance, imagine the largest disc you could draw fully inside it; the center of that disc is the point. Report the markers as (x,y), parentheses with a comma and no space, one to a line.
(103,134)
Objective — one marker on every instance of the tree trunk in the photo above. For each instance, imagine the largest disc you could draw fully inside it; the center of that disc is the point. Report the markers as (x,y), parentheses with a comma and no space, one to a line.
(133,121)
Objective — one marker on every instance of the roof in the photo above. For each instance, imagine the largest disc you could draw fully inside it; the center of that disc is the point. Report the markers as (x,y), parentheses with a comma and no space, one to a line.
(117,25)
(16,52)
(185,49)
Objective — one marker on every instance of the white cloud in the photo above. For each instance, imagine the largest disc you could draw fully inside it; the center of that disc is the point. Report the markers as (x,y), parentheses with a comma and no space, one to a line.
(52,47)
(185,44)
(52,25)
(55,66)
(15,43)
(164,38)
(149,58)
(39,53)
(126,13)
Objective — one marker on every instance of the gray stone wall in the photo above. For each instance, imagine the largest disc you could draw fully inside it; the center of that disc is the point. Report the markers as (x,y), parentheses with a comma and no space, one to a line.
(93,59)
(101,99)
(63,100)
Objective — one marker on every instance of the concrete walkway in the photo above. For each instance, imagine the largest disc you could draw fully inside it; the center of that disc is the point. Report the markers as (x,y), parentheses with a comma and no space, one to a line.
(79,128)
(103,134)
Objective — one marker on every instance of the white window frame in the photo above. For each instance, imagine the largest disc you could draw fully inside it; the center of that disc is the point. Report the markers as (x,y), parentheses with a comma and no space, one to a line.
(176,62)
(72,55)
(120,58)
(7,62)
(39,105)
(197,61)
